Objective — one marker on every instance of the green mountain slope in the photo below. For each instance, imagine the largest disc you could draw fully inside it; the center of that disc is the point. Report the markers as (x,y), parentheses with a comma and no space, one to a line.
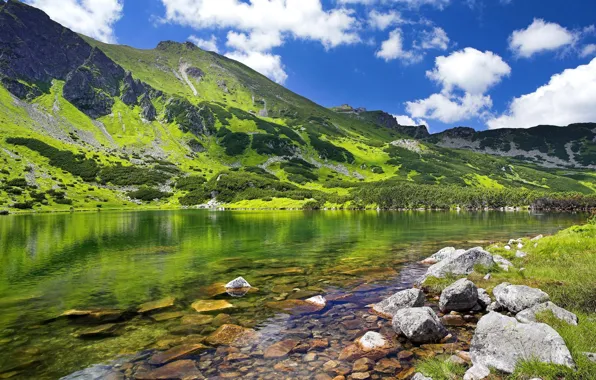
(85,125)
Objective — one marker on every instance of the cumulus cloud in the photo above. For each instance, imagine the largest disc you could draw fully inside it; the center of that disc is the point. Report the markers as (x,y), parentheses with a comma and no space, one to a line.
(440,4)
(470,70)
(434,39)
(539,37)
(408,121)
(588,50)
(382,21)
(93,18)
(267,64)
(449,108)
(392,48)
(465,76)
(209,45)
(567,98)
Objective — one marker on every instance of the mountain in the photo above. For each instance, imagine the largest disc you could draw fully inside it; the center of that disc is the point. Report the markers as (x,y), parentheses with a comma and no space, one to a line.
(88,125)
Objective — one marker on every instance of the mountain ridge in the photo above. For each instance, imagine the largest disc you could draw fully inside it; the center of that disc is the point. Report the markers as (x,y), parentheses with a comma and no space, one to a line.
(87,124)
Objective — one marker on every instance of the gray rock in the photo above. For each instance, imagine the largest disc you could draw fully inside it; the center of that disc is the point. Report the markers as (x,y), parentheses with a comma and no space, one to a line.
(502,262)
(419,324)
(148,111)
(462,295)
(405,298)
(529,315)
(461,263)
(487,277)
(477,372)
(445,253)
(500,342)
(494,306)
(238,283)
(419,376)
(483,298)
(591,356)
(516,298)
(520,254)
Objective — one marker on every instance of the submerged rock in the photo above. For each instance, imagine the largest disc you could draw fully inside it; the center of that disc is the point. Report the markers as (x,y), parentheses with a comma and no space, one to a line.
(232,335)
(500,342)
(176,353)
(529,315)
(405,298)
(178,370)
(371,345)
(99,331)
(419,324)
(161,304)
(317,300)
(461,263)
(295,307)
(207,306)
(516,298)
(280,349)
(462,295)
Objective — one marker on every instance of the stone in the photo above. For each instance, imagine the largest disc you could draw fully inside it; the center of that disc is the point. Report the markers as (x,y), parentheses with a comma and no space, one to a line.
(360,375)
(591,356)
(405,298)
(386,365)
(371,345)
(330,365)
(456,360)
(295,307)
(453,320)
(484,299)
(520,254)
(196,320)
(445,253)
(152,306)
(462,295)
(502,262)
(100,316)
(487,277)
(537,238)
(213,290)
(362,365)
(406,374)
(500,342)
(405,355)
(176,353)
(494,306)
(182,369)
(232,335)
(419,376)
(237,357)
(317,344)
(461,263)
(516,298)
(324,376)
(419,324)
(310,357)
(529,315)
(237,287)
(207,306)
(101,331)
(477,372)
(317,300)
(464,355)
(167,316)
(280,349)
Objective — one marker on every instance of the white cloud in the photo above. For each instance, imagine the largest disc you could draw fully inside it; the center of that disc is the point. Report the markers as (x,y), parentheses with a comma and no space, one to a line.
(304,19)
(256,41)
(267,64)
(569,97)
(440,4)
(209,45)
(93,18)
(434,39)
(449,108)
(540,36)
(408,121)
(382,21)
(588,50)
(392,48)
(469,70)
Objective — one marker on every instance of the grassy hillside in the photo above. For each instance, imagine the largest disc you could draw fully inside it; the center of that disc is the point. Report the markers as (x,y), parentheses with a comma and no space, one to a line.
(177,126)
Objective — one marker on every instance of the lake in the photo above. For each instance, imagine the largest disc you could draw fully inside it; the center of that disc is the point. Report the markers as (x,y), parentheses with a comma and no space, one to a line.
(117,261)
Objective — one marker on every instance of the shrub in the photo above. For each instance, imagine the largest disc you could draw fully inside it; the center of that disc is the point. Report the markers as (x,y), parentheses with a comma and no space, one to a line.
(190,183)
(329,151)
(132,175)
(148,194)
(235,143)
(272,145)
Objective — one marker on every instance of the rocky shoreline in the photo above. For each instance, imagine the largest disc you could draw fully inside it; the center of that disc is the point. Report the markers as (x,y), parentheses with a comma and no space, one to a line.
(359,334)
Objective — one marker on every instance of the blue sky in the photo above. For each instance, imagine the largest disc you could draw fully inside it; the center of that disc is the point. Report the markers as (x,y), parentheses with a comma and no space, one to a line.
(478,63)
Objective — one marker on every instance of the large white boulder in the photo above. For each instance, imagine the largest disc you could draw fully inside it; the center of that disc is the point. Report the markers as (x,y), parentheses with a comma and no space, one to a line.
(445,253)
(461,263)
(419,324)
(500,342)
(516,298)
(529,315)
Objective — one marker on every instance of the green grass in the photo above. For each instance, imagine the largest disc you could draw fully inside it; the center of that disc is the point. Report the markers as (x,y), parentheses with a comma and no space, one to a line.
(439,368)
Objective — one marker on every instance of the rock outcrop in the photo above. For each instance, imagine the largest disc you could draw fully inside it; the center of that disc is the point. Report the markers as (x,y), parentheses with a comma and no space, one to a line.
(419,324)
(529,315)
(461,263)
(500,342)
(462,295)
(516,298)
(405,298)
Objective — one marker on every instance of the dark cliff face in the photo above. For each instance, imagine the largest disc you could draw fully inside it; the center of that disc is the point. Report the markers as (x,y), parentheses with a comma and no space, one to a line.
(388,121)
(34,50)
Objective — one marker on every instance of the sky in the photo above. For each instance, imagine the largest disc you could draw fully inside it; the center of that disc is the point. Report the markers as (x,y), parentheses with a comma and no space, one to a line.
(480,63)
